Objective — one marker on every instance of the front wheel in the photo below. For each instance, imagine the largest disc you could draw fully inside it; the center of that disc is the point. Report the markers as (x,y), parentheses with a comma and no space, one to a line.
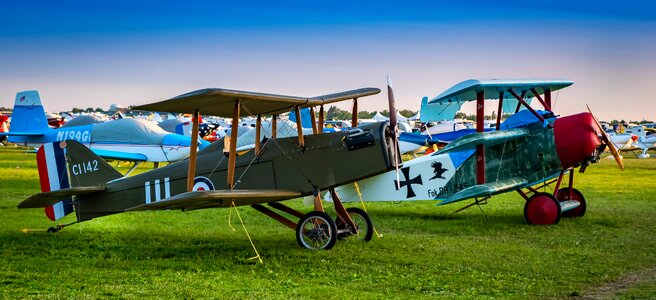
(364,228)
(316,230)
(542,209)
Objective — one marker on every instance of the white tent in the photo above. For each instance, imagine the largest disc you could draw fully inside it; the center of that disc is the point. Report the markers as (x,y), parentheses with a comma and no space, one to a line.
(379,117)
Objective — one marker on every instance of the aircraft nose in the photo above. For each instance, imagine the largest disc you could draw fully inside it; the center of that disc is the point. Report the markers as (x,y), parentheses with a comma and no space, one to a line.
(576,138)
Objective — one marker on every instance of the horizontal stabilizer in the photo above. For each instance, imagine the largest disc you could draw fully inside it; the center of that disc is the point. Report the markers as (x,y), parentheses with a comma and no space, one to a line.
(486,189)
(217,198)
(485,138)
(46,199)
(20,133)
(118,155)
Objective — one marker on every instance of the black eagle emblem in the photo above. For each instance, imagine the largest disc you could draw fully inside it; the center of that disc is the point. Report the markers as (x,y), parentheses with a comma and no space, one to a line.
(438,170)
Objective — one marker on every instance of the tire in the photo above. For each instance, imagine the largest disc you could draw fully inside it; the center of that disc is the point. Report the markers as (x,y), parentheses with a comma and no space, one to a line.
(363,223)
(542,209)
(563,195)
(316,230)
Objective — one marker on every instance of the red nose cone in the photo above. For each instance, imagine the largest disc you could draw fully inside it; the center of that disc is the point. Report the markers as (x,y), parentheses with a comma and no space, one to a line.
(576,138)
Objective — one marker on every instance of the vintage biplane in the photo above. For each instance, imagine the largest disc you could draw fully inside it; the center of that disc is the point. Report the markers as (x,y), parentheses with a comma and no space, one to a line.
(218,176)
(526,153)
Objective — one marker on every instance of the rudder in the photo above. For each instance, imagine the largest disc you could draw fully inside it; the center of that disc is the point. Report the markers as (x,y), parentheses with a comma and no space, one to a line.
(28,114)
(53,176)
(86,168)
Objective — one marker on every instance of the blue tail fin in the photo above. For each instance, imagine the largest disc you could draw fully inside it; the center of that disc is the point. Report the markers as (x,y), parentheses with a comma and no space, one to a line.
(28,114)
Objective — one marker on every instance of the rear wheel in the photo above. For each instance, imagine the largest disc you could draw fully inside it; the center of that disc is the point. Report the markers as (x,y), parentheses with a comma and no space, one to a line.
(542,209)
(564,195)
(316,230)
(364,228)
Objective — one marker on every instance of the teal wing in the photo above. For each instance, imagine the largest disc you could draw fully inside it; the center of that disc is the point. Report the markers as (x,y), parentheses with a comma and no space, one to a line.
(487,189)
(488,139)
(218,198)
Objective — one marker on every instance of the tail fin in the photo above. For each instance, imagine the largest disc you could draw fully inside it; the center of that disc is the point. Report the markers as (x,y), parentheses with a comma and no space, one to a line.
(53,176)
(28,114)
(86,168)
(430,112)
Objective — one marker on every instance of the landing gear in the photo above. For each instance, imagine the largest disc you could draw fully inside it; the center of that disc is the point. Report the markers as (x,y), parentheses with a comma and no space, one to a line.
(542,209)
(568,193)
(316,231)
(363,231)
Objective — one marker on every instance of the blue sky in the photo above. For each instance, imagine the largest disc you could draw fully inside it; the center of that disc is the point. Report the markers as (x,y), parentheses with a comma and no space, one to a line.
(82,54)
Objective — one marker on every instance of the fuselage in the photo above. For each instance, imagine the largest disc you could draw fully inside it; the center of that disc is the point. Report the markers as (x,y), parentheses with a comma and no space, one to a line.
(327,160)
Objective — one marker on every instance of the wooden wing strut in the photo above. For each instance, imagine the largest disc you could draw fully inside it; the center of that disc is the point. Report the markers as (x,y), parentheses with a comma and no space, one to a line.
(193,150)
(232,156)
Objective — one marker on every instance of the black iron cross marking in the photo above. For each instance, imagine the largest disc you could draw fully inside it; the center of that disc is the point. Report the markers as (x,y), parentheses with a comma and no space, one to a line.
(408,182)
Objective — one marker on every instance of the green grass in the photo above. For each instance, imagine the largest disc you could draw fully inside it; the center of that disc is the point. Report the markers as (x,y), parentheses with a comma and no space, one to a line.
(425,252)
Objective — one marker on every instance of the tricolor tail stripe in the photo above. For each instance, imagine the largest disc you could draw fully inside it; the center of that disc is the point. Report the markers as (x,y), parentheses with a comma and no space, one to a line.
(53,176)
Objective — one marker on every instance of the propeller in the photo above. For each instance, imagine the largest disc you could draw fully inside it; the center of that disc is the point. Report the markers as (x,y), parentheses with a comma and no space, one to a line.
(606,139)
(394,128)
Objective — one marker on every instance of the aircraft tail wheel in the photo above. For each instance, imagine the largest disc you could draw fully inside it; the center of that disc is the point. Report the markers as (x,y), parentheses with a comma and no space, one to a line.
(542,209)
(364,227)
(316,230)
(563,195)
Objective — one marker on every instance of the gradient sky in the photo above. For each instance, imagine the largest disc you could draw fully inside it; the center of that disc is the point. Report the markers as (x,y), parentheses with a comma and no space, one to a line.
(80,54)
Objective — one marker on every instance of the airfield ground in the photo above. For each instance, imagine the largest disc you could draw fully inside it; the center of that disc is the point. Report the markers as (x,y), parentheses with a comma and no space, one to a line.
(425,251)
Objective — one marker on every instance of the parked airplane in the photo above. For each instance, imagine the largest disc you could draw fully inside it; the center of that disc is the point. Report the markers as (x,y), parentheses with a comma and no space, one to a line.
(278,169)
(124,139)
(533,150)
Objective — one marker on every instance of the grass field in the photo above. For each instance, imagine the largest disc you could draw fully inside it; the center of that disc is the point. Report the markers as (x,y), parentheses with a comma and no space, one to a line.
(425,252)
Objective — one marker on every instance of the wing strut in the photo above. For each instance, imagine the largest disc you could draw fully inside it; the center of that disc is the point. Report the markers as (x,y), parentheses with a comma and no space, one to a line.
(258,124)
(320,125)
(232,156)
(500,110)
(274,126)
(193,150)
(299,127)
(480,148)
(354,115)
(313,119)
(522,102)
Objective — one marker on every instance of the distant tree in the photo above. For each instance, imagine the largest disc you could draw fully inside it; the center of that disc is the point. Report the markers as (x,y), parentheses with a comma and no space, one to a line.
(385,113)
(98,109)
(76,110)
(365,114)
(407,113)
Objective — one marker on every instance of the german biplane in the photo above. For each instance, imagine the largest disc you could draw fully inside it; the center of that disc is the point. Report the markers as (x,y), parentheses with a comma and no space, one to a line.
(529,151)
(75,179)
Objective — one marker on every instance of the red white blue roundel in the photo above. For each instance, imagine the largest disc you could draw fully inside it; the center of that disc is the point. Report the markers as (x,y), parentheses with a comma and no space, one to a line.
(202,184)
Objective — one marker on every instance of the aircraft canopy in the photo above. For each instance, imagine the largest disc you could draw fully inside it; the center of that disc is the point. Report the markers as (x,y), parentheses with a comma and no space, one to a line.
(220,102)
(467,90)
(129,131)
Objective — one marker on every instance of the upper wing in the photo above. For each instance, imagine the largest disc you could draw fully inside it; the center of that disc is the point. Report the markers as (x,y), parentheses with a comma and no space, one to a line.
(217,198)
(467,90)
(488,139)
(220,102)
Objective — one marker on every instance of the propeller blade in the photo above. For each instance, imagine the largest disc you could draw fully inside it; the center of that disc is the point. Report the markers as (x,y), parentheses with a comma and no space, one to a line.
(606,139)
(394,128)
(392,106)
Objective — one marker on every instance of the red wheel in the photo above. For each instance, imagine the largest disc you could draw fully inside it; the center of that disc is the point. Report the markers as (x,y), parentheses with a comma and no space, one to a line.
(564,194)
(542,209)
